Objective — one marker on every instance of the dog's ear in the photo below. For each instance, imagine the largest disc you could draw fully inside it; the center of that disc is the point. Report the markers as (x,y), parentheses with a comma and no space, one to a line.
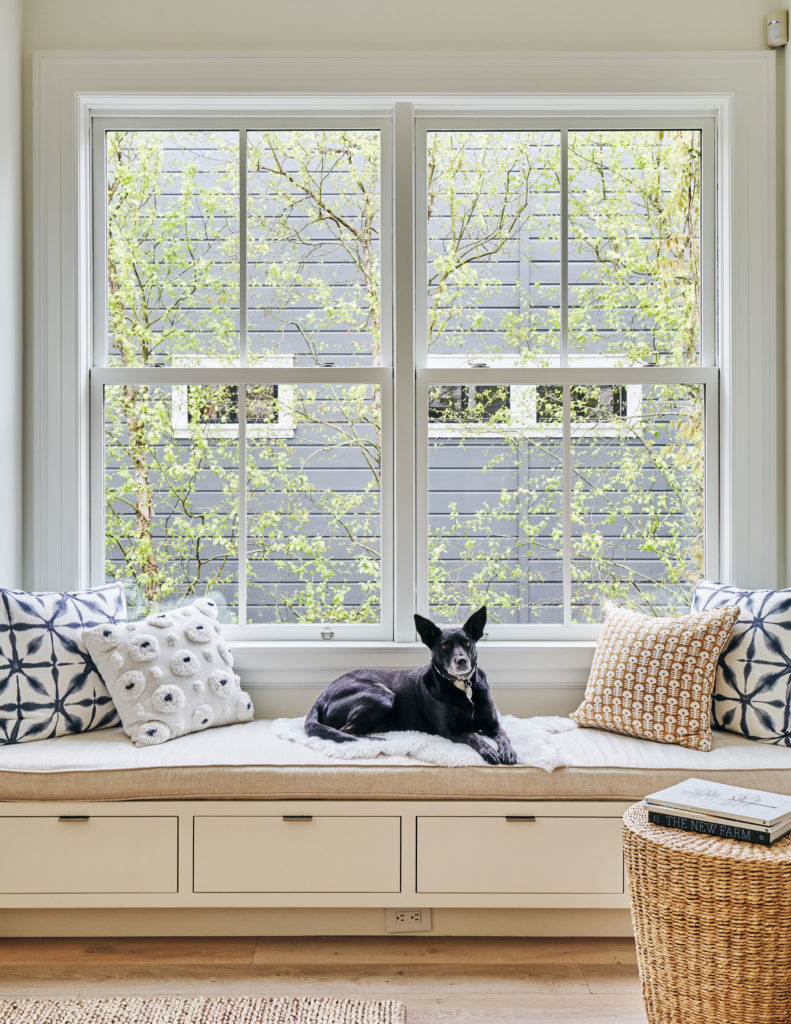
(474,626)
(427,631)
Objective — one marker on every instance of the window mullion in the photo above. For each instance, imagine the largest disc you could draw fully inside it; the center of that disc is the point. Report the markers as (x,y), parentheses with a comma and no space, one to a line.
(566,506)
(243,247)
(406,456)
(564,247)
(241,439)
(564,361)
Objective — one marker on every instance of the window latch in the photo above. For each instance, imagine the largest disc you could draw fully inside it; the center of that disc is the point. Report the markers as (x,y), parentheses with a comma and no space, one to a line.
(327,634)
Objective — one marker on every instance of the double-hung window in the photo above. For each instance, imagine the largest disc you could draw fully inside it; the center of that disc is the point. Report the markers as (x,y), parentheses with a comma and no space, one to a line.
(348,367)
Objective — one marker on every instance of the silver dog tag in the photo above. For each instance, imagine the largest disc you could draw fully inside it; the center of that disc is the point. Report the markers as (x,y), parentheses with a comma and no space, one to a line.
(468,691)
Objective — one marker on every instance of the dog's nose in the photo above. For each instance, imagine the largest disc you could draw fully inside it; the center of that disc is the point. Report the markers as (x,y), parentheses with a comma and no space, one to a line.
(461,661)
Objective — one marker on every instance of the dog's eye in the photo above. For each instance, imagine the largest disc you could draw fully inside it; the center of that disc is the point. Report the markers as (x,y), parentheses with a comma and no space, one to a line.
(444,647)
(466,643)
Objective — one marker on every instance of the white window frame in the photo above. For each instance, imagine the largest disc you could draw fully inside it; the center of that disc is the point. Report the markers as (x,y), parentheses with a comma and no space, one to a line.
(419,431)
(737,90)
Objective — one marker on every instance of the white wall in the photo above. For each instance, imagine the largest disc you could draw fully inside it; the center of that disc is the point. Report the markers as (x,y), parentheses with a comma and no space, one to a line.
(10,291)
(396,24)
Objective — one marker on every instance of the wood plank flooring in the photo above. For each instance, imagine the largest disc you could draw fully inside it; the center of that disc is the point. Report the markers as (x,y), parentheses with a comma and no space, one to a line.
(441,980)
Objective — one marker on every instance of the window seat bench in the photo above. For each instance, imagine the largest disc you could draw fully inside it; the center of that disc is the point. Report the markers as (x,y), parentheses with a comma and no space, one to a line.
(252,763)
(241,832)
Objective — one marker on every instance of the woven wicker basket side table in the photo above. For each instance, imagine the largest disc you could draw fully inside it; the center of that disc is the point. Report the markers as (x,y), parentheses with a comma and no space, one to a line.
(712,920)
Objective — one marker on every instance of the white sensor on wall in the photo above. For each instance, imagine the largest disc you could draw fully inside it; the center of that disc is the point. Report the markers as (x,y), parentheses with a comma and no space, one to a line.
(777,28)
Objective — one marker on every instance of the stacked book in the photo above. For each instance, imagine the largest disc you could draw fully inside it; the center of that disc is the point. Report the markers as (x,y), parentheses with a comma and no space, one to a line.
(725,812)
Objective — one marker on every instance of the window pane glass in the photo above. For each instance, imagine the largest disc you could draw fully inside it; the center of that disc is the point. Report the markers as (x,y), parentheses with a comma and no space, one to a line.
(218,405)
(172,247)
(637,500)
(634,247)
(493,246)
(314,261)
(588,404)
(171,495)
(314,507)
(494,508)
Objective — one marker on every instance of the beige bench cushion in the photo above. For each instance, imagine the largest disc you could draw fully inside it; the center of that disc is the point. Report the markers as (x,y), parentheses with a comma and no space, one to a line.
(251,763)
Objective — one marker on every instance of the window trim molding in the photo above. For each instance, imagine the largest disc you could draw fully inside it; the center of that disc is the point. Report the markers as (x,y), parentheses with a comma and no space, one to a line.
(737,88)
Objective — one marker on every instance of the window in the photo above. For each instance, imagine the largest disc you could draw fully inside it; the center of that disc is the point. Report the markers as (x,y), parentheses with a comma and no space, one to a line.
(493,408)
(587,405)
(456,402)
(231,257)
(216,408)
(497,409)
(216,405)
(252,423)
(574,257)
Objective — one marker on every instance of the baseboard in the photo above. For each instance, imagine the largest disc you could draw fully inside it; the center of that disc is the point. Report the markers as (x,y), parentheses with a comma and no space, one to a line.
(116,922)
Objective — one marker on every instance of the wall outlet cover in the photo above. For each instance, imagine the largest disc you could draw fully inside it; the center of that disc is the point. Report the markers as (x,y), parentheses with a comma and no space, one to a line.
(408,920)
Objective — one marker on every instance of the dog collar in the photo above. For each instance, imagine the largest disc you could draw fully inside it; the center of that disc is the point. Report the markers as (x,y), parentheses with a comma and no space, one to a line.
(458,679)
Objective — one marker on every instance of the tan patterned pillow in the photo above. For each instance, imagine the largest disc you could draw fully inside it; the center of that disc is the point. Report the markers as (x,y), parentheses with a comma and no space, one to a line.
(653,677)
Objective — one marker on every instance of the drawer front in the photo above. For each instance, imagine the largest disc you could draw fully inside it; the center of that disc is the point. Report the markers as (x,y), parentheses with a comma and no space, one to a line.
(90,855)
(292,854)
(501,855)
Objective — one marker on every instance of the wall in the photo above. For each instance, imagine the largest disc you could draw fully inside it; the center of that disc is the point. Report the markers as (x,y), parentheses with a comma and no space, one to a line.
(10,291)
(397,25)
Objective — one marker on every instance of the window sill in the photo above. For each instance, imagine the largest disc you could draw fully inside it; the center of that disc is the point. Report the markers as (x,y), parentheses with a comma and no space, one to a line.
(524,663)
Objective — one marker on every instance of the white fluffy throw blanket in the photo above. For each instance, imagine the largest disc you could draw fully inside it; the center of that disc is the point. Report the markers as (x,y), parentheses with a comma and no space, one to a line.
(533,739)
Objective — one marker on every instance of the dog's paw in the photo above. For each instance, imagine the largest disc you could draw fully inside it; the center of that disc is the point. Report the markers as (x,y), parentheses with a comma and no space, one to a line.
(507,755)
(489,755)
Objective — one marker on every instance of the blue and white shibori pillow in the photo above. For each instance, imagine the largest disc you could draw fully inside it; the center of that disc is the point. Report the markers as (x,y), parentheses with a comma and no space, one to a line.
(49,685)
(752,690)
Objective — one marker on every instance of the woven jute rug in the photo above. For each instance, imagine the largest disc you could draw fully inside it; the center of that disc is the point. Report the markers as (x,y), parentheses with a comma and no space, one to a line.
(200,1010)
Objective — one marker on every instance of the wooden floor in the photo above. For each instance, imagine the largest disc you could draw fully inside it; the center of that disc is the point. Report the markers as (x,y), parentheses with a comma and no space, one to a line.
(458,981)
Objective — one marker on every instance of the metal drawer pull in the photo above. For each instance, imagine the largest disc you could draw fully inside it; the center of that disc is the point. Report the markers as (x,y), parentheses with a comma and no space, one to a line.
(517,817)
(297,817)
(74,817)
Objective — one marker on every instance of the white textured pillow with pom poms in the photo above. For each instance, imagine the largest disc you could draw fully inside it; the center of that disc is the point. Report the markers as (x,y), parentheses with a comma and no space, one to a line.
(169,674)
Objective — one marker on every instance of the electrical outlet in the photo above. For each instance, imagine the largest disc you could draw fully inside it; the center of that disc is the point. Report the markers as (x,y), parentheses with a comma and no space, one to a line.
(408,920)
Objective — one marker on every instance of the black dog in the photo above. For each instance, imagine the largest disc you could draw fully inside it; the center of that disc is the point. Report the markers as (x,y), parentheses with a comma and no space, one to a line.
(450,697)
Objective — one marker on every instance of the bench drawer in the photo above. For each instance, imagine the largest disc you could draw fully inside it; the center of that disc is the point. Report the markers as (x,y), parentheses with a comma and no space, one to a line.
(88,855)
(519,855)
(297,854)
